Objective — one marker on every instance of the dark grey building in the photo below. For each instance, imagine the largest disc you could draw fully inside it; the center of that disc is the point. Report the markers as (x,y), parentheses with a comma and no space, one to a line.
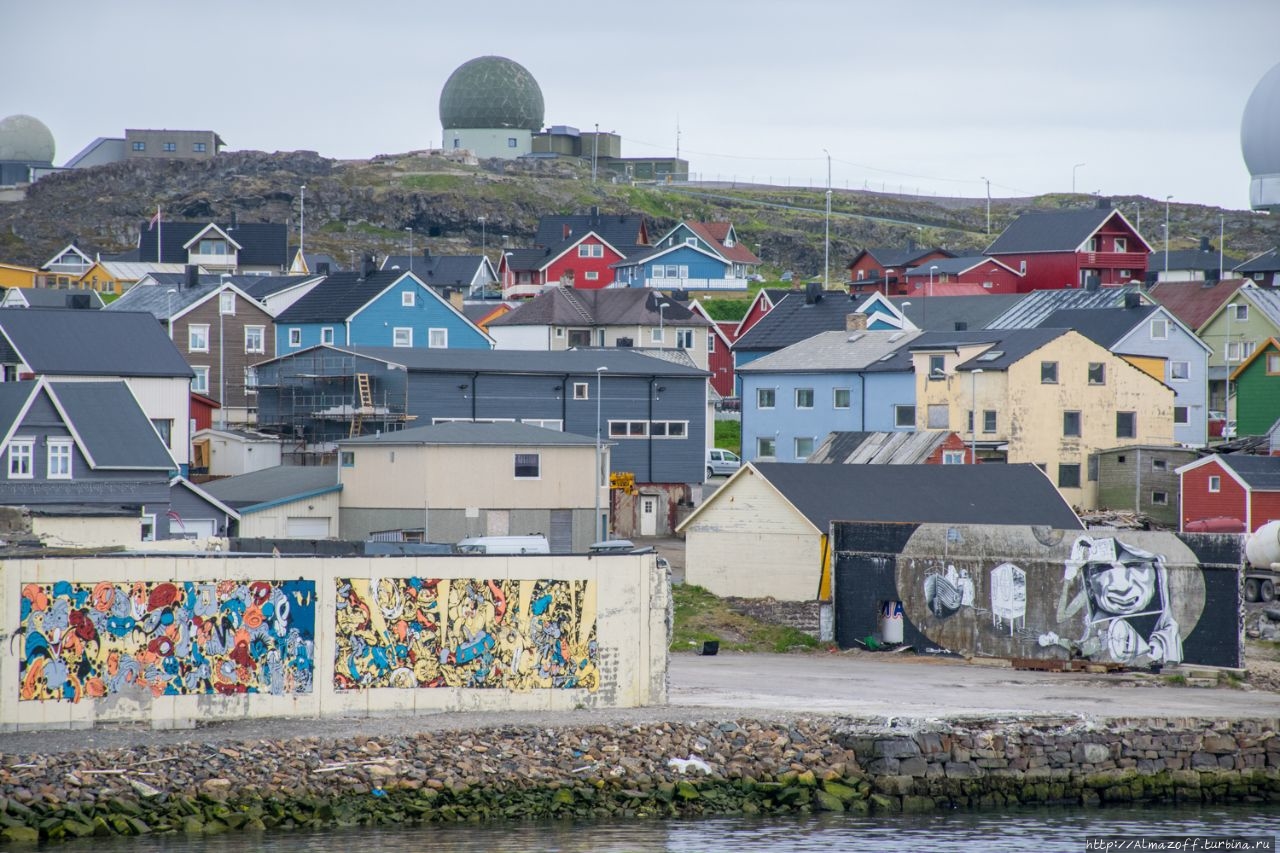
(1142,478)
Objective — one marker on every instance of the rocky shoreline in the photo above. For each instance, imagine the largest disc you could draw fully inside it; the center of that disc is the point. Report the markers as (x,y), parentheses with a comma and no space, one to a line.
(636,771)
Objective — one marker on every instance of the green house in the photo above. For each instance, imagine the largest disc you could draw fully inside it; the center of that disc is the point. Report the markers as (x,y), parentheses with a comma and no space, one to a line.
(1255,385)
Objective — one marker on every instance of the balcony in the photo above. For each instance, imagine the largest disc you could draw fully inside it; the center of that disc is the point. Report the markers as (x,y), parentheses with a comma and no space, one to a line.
(1115,260)
(213,261)
(696,283)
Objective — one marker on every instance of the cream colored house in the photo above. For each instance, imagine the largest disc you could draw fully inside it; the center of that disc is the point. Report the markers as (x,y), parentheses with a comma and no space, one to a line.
(1051,397)
(446,482)
(285,502)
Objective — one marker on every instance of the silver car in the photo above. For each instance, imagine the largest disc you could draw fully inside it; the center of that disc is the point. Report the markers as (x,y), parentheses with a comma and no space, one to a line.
(722,462)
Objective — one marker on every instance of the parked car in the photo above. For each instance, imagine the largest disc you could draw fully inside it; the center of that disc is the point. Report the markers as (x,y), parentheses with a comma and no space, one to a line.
(1219,426)
(729,404)
(722,462)
(504,545)
(786,276)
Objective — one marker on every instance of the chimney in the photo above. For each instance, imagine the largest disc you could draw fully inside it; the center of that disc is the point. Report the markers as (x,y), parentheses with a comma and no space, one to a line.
(595,212)
(1103,204)
(1091,282)
(813,292)
(1204,244)
(566,231)
(1132,300)
(911,244)
(322,268)
(855,321)
(190,276)
(367,266)
(455,297)
(962,326)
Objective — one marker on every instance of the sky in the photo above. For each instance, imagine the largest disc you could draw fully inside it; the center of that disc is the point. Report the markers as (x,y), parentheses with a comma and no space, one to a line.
(927,97)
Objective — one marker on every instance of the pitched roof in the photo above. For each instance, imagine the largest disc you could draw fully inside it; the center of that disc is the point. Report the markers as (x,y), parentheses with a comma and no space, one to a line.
(620,361)
(831,351)
(944,312)
(614,306)
(1260,472)
(1265,300)
(956,266)
(794,318)
(1007,346)
(922,494)
(1103,326)
(1031,308)
(257,286)
(1268,261)
(43,297)
(898,257)
(274,485)
(476,435)
(262,243)
(134,269)
(339,296)
(622,231)
(92,343)
(1051,231)
(1193,302)
(1264,347)
(901,447)
(1190,259)
(716,233)
(157,300)
(115,431)
(439,270)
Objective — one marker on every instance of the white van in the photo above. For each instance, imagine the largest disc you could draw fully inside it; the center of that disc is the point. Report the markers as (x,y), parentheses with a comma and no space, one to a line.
(504,545)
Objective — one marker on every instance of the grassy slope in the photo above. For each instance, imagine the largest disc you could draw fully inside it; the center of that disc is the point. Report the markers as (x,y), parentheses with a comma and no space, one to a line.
(700,616)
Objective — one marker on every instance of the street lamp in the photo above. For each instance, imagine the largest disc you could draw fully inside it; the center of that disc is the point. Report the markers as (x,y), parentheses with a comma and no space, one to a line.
(904,306)
(1073,176)
(1166,235)
(483,239)
(988,180)
(931,271)
(302,225)
(410,230)
(599,525)
(973,415)
(222,372)
(826,237)
(887,270)
(662,332)
(168,319)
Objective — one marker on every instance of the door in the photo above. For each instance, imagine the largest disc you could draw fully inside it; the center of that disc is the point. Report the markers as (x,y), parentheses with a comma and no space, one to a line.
(561,538)
(648,515)
(307,528)
(200,528)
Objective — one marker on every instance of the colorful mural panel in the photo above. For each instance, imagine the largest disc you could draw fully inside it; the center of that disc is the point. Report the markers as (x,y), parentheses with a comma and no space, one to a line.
(417,632)
(166,639)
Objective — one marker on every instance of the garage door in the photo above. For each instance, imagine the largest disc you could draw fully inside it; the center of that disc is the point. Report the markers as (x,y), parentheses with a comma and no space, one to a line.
(200,528)
(307,528)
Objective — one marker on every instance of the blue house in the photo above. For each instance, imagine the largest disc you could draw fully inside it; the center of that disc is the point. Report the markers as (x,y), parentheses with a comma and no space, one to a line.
(678,266)
(387,308)
(832,382)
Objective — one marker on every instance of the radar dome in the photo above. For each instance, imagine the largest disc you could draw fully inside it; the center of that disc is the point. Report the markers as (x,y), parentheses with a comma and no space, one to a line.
(1260,141)
(491,92)
(26,140)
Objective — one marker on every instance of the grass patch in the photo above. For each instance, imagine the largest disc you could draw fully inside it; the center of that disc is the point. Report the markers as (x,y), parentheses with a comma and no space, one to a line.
(435,183)
(701,616)
(1175,680)
(729,436)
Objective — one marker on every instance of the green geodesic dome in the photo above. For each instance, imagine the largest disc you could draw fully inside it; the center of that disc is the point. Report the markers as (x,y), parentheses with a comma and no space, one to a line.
(491,92)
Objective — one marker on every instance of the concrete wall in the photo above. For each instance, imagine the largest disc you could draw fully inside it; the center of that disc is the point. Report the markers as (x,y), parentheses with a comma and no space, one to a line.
(175,640)
(1134,597)
(82,532)
(451,525)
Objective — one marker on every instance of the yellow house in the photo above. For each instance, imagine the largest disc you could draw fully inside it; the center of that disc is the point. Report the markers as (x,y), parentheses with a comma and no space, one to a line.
(12,275)
(1051,397)
(115,277)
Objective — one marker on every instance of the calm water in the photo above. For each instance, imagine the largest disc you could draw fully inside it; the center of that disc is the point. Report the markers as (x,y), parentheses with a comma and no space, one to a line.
(1028,831)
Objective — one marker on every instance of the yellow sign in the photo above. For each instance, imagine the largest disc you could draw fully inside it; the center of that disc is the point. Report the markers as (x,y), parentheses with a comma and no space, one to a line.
(624,481)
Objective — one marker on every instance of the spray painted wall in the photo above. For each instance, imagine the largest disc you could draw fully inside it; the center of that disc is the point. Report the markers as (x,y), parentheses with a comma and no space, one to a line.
(1140,598)
(175,640)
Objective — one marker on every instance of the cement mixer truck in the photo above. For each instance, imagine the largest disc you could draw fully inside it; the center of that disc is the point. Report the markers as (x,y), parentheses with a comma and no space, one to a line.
(1262,551)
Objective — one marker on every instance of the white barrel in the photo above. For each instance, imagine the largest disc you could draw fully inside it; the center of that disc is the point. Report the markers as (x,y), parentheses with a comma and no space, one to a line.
(892,613)
(1263,547)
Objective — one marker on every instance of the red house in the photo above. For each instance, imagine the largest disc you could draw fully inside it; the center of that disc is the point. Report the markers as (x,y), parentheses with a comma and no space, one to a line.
(202,409)
(719,354)
(765,299)
(574,251)
(1053,250)
(883,269)
(1232,486)
(989,274)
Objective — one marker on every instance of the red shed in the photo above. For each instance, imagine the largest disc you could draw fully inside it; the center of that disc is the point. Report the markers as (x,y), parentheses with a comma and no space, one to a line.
(1231,486)
(1065,248)
(202,409)
(987,273)
(719,354)
(883,269)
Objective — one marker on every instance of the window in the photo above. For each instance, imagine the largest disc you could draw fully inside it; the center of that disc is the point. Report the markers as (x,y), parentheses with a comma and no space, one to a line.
(1273,363)
(1160,498)
(59,459)
(1071,424)
(200,382)
(581,391)
(592,275)
(953,457)
(528,466)
(1159,329)
(212,246)
(438,338)
(251,380)
(139,146)
(804,398)
(988,420)
(170,146)
(684,338)
(1097,373)
(401,337)
(668,429)
(295,337)
(199,147)
(348,459)
(691,241)
(198,338)
(1181,415)
(584,250)
(579,337)
(937,366)
(1215,483)
(1022,267)
(1126,275)
(711,342)
(765,398)
(765,448)
(1069,476)
(628,429)
(326,335)
(254,338)
(1180,370)
(840,398)
(1048,373)
(164,429)
(804,448)
(658,335)
(148,529)
(1091,245)
(1093,467)
(1126,424)
(546,423)
(408,299)
(904,416)
(1122,245)
(1239,312)
(1258,276)
(938,416)
(512,142)
(1159,464)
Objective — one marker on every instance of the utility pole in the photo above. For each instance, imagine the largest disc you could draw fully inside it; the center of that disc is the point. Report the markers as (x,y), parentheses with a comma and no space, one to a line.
(988,180)
(826,238)
(595,152)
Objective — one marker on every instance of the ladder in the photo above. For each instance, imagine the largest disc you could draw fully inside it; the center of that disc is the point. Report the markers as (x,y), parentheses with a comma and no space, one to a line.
(363,404)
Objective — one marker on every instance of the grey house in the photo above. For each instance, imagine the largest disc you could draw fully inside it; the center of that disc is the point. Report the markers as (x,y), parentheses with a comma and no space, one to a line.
(1143,478)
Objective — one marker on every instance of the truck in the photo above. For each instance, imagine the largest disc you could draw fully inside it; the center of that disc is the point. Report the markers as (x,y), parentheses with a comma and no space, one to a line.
(1262,553)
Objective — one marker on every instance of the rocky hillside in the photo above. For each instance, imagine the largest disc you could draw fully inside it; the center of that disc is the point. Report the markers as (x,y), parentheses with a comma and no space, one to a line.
(358,206)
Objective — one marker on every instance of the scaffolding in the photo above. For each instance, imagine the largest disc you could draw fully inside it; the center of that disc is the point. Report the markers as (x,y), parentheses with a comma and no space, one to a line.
(316,399)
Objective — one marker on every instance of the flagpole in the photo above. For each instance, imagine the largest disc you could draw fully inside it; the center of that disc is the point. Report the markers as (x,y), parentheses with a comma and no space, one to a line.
(159,233)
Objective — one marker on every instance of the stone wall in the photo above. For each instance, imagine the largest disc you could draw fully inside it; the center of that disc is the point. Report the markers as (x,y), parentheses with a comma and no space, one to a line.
(801,615)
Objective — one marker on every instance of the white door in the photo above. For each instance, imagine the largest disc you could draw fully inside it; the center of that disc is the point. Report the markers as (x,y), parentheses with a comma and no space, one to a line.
(307,528)
(648,515)
(200,528)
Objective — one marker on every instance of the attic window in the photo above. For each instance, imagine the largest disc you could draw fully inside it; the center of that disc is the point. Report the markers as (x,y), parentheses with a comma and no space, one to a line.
(887,357)
(894,337)
(991,355)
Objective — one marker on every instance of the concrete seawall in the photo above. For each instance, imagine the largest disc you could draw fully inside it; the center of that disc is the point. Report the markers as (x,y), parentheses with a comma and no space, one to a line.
(642,770)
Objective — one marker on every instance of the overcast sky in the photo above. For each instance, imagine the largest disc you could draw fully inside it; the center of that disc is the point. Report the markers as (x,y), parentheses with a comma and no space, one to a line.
(925,96)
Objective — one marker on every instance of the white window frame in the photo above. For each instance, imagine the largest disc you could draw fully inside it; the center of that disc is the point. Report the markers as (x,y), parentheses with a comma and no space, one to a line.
(1179,366)
(900,410)
(796,447)
(799,404)
(1215,484)
(198,337)
(684,338)
(1185,412)
(402,337)
(437,338)
(260,332)
(773,402)
(1121,244)
(515,466)
(1241,313)
(1163,325)
(326,335)
(591,275)
(953,457)
(251,380)
(147,528)
(295,337)
(408,299)
(835,398)
(622,429)
(658,335)
(711,342)
(227,303)
(22,458)
(59,458)
(200,382)
(582,390)
(766,447)
(662,430)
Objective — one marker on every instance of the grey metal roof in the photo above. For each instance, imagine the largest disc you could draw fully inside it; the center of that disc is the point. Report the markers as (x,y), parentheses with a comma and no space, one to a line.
(1103,326)
(44,297)
(903,447)
(898,257)
(1260,472)
(273,484)
(339,296)
(439,270)
(923,494)
(156,299)
(92,343)
(794,319)
(1265,300)
(1190,259)
(257,286)
(565,306)
(1049,231)
(621,231)
(951,266)
(831,351)
(621,361)
(13,396)
(1268,261)
(469,434)
(1031,310)
(115,430)
(944,312)
(261,243)
(1007,347)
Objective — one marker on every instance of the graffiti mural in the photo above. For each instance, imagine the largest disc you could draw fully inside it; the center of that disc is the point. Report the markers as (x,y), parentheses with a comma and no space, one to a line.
(417,632)
(166,639)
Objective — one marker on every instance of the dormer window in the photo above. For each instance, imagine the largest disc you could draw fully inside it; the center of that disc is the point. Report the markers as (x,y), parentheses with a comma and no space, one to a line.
(213,246)
(728,242)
